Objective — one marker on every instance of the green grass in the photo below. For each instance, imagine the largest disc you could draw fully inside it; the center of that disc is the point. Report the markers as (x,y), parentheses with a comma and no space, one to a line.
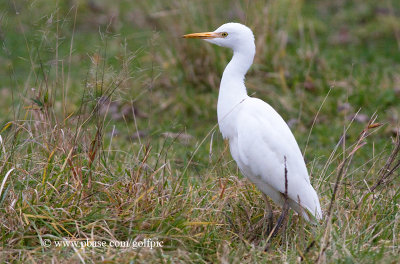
(109,131)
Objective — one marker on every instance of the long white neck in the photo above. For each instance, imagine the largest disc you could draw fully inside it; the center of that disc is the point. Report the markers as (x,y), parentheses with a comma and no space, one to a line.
(232,89)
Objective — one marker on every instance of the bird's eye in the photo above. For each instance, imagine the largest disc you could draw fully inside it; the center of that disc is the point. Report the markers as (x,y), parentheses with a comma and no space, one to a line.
(224,34)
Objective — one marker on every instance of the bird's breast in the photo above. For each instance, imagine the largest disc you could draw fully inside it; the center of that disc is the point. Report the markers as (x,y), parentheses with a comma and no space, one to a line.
(227,126)
(228,110)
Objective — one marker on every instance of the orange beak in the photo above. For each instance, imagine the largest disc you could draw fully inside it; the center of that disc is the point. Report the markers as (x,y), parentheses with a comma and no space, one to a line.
(203,35)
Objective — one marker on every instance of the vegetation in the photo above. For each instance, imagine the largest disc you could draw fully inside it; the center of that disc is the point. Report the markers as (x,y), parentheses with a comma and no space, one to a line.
(108,130)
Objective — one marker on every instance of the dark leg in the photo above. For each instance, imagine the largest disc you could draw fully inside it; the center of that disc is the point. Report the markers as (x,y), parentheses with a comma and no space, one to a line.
(278,225)
(285,209)
(281,219)
(270,215)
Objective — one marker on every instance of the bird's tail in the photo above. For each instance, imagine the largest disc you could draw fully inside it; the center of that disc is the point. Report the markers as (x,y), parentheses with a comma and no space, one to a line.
(311,214)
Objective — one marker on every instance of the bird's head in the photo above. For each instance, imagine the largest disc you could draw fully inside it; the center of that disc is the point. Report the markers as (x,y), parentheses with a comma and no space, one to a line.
(232,35)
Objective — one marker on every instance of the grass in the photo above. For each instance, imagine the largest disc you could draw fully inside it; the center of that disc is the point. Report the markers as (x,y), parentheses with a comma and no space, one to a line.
(109,131)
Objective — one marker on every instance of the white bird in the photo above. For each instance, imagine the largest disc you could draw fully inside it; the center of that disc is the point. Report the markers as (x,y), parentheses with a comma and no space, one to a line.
(260,141)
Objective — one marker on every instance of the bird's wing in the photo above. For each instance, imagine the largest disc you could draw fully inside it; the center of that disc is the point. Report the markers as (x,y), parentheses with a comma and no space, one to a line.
(264,142)
(261,127)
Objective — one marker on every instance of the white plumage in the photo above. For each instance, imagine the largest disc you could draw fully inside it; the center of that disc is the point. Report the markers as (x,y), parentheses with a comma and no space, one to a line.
(259,139)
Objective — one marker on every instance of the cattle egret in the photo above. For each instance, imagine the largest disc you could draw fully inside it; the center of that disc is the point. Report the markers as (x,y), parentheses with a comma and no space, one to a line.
(260,141)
